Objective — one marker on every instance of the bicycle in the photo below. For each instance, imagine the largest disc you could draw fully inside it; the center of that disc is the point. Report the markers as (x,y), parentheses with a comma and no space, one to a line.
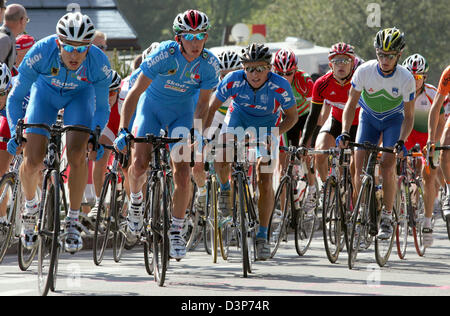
(410,215)
(240,230)
(53,203)
(285,213)
(337,203)
(109,215)
(365,219)
(157,207)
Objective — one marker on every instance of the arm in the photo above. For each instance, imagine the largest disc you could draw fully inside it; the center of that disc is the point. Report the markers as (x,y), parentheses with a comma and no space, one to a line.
(14,109)
(289,121)
(214,105)
(201,111)
(311,123)
(130,103)
(434,117)
(408,122)
(350,110)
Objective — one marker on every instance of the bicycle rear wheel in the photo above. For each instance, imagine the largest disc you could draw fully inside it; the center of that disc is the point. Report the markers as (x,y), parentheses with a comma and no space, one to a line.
(242,220)
(419,213)
(151,199)
(279,218)
(6,229)
(403,204)
(103,221)
(383,247)
(49,230)
(331,219)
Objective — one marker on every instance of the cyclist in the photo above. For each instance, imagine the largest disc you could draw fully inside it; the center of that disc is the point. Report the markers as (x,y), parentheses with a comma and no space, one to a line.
(62,71)
(164,94)
(5,157)
(441,95)
(332,90)
(425,94)
(259,96)
(285,64)
(385,91)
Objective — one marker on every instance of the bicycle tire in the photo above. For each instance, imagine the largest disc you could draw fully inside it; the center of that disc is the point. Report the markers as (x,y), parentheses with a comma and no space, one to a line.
(278,228)
(360,222)
(211,227)
(6,231)
(103,220)
(419,214)
(401,233)
(161,244)
(243,225)
(120,225)
(49,230)
(192,233)
(331,220)
(304,228)
(383,248)
(152,192)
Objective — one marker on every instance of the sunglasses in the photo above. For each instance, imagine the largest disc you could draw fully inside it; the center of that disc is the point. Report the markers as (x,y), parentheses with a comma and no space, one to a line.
(190,37)
(418,77)
(257,69)
(341,61)
(388,56)
(70,48)
(284,74)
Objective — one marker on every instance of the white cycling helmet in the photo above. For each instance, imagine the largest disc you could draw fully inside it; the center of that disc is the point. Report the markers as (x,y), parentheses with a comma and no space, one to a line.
(75,27)
(149,50)
(190,20)
(229,60)
(416,64)
(116,80)
(5,77)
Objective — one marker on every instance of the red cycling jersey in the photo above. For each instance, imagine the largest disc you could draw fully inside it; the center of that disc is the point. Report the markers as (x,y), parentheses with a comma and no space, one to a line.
(329,92)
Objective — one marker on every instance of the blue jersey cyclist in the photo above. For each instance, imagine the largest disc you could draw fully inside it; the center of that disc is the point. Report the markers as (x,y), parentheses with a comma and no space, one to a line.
(259,97)
(62,71)
(164,97)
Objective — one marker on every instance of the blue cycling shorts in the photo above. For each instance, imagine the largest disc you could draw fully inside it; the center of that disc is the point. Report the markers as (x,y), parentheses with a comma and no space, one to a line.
(45,104)
(370,129)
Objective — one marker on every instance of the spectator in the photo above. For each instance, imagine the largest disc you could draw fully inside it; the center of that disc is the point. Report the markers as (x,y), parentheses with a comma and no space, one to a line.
(15,22)
(100,40)
(2,9)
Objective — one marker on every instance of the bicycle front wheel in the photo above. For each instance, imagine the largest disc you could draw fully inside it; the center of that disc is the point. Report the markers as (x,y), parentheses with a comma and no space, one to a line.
(6,203)
(419,214)
(279,217)
(120,225)
(331,219)
(304,228)
(401,233)
(103,221)
(48,234)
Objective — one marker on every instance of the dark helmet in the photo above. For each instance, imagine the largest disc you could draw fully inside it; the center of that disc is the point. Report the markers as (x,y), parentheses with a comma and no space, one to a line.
(390,39)
(256,52)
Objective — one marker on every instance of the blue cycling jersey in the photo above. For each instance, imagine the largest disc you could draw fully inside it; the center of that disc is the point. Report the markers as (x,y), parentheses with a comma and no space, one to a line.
(174,79)
(43,72)
(257,104)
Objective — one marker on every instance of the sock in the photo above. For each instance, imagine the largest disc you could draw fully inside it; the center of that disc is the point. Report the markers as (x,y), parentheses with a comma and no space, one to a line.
(427,222)
(177,224)
(31,207)
(448,188)
(387,213)
(225,187)
(73,214)
(262,232)
(136,198)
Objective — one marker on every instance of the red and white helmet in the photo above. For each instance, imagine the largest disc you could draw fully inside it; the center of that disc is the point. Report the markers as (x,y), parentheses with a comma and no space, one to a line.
(341,49)
(285,61)
(191,20)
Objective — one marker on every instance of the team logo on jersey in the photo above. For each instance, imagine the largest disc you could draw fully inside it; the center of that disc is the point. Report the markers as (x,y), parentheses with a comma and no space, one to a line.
(395,91)
(192,76)
(33,59)
(54,71)
(264,98)
(172,72)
